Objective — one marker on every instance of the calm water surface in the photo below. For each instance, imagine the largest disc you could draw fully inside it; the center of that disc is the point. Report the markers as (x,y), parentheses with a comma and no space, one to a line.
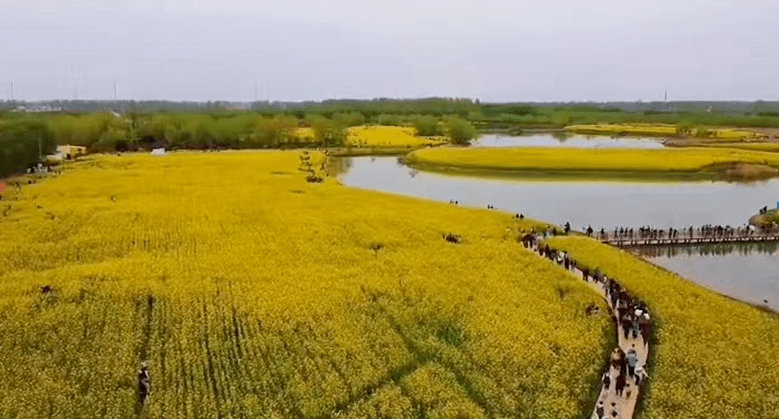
(586,203)
(747,273)
(565,140)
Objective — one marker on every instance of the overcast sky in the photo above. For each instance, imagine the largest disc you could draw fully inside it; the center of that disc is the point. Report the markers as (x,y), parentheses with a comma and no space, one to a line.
(514,50)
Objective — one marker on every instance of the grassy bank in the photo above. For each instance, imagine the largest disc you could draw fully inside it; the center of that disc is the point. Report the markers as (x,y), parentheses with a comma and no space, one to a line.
(767,219)
(713,357)
(690,162)
(253,293)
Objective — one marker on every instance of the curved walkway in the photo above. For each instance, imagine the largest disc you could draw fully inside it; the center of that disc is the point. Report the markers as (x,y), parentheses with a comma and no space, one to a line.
(612,403)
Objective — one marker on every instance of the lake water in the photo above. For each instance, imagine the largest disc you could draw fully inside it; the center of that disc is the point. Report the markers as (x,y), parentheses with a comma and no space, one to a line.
(747,273)
(565,140)
(585,203)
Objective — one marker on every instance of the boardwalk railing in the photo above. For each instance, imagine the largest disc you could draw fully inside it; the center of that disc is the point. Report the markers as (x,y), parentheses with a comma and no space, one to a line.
(685,238)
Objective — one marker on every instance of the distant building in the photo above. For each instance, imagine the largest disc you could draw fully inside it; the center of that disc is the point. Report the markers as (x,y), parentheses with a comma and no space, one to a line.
(67,152)
(36,109)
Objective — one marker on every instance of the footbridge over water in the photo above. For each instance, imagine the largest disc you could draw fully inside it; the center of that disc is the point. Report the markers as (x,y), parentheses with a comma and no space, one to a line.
(632,238)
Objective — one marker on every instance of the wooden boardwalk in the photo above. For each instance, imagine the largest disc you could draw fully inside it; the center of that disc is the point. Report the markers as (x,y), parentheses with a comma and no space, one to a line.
(624,405)
(622,241)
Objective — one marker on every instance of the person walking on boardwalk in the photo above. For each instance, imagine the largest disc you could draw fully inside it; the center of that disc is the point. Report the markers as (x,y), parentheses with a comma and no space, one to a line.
(600,410)
(640,375)
(645,327)
(618,359)
(620,383)
(632,359)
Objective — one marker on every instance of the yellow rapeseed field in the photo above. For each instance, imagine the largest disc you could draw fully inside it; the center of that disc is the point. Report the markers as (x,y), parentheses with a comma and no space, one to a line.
(769,147)
(660,130)
(625,129)
(388,136)
(713,357)
(668,160)
(305,134)
(253,293)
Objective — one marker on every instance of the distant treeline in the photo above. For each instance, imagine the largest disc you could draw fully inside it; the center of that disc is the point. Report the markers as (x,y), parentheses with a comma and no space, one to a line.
(426,106)
(108,132)
(130,125)
(484,115)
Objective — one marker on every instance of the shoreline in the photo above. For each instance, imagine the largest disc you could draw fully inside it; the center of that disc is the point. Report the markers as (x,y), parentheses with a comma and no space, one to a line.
(587,175)
(761,307)
(711,288)
(701,163)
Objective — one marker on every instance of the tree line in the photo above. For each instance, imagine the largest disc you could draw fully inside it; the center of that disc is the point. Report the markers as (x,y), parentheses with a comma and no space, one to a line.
(26,137)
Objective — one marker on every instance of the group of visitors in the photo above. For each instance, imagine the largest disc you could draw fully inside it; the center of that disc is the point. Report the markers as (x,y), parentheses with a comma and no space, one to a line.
(635,324)
(632,315)
(562,258)
(635,321)
(708,231)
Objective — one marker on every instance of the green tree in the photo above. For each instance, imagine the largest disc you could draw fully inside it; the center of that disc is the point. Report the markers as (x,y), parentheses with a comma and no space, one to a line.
(327,132)
(23,143)
(702,132)
(684,128)
(460,131)
(202,136)
(426,125)
(349,119)
(390,120)
(112,140)
(275,131)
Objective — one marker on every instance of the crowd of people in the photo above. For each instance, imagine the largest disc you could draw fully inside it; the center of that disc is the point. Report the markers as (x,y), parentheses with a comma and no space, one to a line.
(708,231)
(634,321)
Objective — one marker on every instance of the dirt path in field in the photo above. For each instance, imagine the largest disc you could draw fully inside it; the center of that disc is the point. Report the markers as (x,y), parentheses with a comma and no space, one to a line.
(625,404)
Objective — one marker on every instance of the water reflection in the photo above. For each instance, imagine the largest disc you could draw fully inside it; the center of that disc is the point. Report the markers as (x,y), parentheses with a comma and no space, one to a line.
(718,249)
(561,139)
(747,271)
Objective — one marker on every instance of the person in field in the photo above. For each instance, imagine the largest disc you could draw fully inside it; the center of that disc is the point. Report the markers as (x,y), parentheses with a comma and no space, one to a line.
(144,383)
